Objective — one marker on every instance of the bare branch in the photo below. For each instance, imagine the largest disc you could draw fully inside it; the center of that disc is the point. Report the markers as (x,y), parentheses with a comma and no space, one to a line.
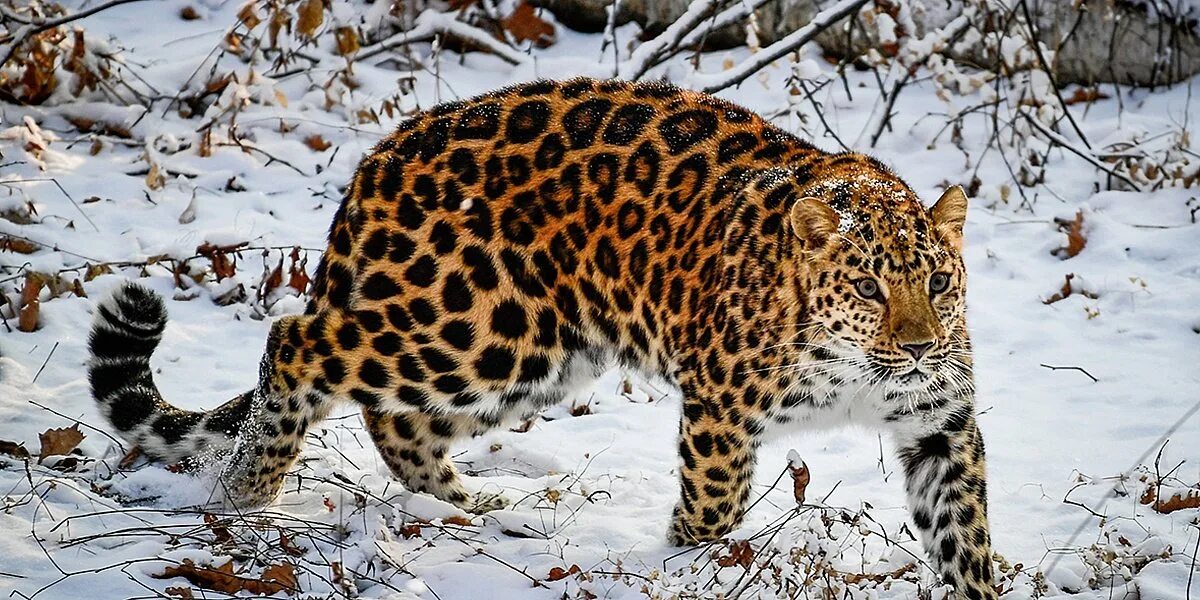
(1058,139)
(824,20)
(33,27)
(650,53)
(431,23)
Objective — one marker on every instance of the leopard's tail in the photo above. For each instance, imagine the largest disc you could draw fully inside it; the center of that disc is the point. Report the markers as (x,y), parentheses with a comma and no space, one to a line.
(127,328)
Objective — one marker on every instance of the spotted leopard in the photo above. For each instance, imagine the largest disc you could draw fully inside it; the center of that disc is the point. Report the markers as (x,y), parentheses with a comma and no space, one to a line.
(494,254)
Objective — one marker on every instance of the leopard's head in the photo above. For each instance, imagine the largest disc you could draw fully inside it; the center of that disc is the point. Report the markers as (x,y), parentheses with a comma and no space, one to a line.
(886,284)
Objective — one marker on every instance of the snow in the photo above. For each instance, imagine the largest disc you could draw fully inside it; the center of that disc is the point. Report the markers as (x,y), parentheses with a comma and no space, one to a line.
(594,490)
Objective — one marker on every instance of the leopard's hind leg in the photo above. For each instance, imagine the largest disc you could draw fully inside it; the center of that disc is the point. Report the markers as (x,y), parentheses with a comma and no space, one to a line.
(291,396)
(416,447)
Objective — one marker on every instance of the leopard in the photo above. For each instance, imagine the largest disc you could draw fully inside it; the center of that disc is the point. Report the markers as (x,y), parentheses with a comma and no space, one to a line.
(493,255)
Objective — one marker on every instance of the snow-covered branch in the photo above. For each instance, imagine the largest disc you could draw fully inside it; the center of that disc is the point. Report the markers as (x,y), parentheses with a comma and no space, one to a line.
(32,26)
(824,20)
(431,23)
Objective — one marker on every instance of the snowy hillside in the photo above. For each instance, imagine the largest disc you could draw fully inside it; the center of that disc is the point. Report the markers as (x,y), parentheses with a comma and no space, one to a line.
(1083,306)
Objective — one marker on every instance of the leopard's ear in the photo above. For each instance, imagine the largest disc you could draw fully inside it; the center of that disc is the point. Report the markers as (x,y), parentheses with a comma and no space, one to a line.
(813,222)
(949,214)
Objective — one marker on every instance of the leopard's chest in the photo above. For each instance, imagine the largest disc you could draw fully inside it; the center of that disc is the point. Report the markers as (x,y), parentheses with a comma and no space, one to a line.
(826,401)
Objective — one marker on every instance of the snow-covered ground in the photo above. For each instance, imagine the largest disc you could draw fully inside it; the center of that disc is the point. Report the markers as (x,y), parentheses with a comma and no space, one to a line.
(594,487)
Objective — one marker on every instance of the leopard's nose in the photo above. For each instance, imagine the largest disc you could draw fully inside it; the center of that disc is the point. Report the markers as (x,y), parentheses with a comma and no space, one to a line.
(917,350)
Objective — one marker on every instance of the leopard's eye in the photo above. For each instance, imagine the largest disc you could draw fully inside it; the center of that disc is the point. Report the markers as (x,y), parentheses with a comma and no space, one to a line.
(938,283)
(868,288)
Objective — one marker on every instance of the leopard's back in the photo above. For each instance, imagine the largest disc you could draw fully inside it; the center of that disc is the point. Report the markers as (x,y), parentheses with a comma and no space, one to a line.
(489,248)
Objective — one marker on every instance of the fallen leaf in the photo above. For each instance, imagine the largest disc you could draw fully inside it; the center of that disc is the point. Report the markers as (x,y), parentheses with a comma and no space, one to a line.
(180,592)
(1075,238)
(740,553)
(154,177)
(12,244)
(1086,95)
(316,143)
(13,449)
(284,574)
(526,26)
(130,458)
(411,531)
(288,545)
(311,15)
(347,40)
(188,13)
(27,317)
(220,579)
(223,266)
(560,573)
(801,477)
(248,16)
(298,278)
(329,505)
(1177,501)
(220,531)
(272,281)
(457,520)
(58,442)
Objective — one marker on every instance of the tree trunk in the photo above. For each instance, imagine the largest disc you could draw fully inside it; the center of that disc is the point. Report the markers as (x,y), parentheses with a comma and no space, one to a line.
(1135,42)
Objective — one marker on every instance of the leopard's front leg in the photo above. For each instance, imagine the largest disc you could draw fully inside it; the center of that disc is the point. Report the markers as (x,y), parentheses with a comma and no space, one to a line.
(945,477)
(717,450)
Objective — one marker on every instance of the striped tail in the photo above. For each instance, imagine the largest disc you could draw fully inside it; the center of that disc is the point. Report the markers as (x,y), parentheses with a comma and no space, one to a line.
(126,330)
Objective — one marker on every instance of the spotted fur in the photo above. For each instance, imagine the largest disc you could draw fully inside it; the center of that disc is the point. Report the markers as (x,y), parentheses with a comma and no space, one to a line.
(493,254)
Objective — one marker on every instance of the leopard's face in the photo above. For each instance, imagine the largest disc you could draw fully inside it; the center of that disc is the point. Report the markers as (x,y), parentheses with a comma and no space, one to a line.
(887,290)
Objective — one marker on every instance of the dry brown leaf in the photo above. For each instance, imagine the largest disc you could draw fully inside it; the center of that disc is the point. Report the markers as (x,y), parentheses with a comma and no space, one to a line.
(13,449)
(12,244)
(854,578)
(272,281)
(204,148)
(27,317)
(411,531)
(180,592)
(1177,501)
(220,256)
(189,13)
(347,40)
(740,553)
(220,579)
(154,177)
(58,442)
(311,15)
(130,457)
(801,477)
(94,271)
(457,520)
(284,574)
(526,26)
(220,531)
(1067,289)
(316,143)
(560,573)
(248,16)
(298,278)
(1086,95)
(1075,239)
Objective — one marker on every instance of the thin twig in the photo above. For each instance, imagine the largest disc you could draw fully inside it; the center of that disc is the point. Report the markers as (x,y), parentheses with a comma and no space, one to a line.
(1071,368)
